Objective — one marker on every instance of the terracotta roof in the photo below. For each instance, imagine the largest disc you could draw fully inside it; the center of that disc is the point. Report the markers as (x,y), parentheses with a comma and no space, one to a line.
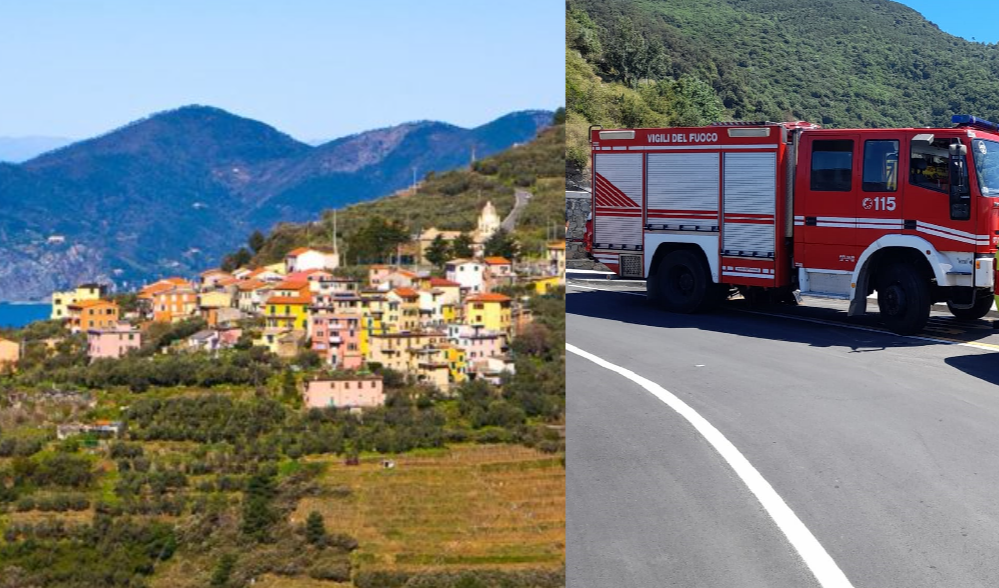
(92,303)
(489,297)
(378,267)
(292,285)
(259,271)
(497,260)
(297,251)
(406,273)
(176,281)
(251,284)
(228,281)
(304,275)
(289,300)
(407,292)
(214,270)
(442,283)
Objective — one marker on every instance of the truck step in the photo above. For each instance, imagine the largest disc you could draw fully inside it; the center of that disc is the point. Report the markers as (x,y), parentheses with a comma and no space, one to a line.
(826,295)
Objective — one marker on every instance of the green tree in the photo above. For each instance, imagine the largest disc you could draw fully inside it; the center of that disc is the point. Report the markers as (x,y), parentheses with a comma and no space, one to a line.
(237,259)
(315,528)
(258,513)
(438,252)
(256,241)
(289,386)
(461,247)
(502,244)
(376,240)
(223,570)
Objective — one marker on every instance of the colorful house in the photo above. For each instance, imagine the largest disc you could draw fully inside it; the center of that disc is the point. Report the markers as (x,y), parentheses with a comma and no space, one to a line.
(408,301)
(92,314)
(288,312)
(10,354)
(489,311)
(307,258)
(337,338)
(353,392)
(457,365)
(556,258)
(466,272)
(209,279)
(113,342)
(62,300)
(252,294)
(175,304)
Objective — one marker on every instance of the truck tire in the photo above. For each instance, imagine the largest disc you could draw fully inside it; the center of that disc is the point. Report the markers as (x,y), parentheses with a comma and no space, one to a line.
(903,299)
(982,307)
(684,283)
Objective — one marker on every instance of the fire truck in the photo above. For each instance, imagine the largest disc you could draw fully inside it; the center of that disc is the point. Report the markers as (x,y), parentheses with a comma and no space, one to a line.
(779,210)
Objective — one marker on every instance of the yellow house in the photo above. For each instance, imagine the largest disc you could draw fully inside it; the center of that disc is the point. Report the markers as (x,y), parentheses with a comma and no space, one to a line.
(10,353)
(489,311)
(215,300)
(62,300)
(456,364)
(408,301)
(288,312)
(546,284)
(278,268)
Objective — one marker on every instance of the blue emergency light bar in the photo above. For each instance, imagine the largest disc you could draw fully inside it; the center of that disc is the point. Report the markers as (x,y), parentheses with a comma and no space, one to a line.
(966,120)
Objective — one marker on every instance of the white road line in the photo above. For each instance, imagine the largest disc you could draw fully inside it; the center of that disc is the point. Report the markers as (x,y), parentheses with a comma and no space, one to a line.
(808,547)
(985,346)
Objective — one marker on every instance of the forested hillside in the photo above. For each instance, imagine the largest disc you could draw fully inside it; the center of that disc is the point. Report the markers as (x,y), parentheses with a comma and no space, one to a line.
(842,63)
(447,201)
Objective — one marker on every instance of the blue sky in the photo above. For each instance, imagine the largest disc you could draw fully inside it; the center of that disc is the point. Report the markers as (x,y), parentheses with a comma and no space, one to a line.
(961,18)
(314,69)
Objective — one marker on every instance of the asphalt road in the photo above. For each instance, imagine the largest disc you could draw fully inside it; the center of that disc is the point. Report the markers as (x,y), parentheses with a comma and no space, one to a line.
(522,197)
(885,447)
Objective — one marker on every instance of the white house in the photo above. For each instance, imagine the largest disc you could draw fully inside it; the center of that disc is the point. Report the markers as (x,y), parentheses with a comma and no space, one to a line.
(466,272)
(307,258)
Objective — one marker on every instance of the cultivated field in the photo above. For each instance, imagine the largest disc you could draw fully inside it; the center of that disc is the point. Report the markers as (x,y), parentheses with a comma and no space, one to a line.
(462,507)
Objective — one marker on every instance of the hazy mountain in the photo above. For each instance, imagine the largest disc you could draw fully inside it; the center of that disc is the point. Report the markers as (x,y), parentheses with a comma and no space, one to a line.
(170,193)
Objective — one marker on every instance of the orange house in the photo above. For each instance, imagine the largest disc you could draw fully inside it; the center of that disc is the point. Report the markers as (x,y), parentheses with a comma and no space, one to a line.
(175,304)
(92,314)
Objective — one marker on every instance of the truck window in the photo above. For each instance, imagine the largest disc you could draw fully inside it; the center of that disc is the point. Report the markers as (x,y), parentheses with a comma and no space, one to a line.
(832,165)
(880,166)
(928,164)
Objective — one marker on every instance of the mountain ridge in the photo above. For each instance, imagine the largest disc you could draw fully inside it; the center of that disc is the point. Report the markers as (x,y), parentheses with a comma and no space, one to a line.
(171,192)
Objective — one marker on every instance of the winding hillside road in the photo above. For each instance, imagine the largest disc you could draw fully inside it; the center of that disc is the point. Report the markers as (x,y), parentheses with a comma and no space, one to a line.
(510,222)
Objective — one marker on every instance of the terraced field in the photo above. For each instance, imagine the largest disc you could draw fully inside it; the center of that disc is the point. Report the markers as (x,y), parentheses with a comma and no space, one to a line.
(462,507)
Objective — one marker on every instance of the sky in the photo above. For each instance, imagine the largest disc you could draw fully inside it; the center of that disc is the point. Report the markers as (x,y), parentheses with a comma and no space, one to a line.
(961,18)
(314,69)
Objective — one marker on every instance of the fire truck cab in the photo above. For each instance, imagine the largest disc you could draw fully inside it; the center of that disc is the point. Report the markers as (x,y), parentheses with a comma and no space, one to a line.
(777,210)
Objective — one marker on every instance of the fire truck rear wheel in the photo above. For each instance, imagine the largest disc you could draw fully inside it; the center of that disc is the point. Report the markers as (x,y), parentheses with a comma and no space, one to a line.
(903,299)
(981,308)
(684,283)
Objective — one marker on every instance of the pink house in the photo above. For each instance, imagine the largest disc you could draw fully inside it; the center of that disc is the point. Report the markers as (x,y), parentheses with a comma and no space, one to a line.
(114,342)
(478,343)
(337,338)
(345,392)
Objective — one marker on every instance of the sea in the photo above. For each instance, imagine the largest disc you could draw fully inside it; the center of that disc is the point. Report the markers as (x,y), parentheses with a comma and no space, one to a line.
(18,314)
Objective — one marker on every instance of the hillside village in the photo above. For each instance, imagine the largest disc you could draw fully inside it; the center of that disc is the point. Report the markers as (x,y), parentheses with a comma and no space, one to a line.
(441,330)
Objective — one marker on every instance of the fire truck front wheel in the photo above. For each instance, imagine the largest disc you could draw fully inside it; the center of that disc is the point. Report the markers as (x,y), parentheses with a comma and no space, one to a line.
(903,299)
(684,283)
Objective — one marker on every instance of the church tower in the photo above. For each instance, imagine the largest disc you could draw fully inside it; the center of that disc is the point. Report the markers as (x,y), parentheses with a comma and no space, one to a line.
(489,222)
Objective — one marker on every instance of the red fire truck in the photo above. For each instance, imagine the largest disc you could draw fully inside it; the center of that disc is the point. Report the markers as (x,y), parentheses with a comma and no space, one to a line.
(775,210)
